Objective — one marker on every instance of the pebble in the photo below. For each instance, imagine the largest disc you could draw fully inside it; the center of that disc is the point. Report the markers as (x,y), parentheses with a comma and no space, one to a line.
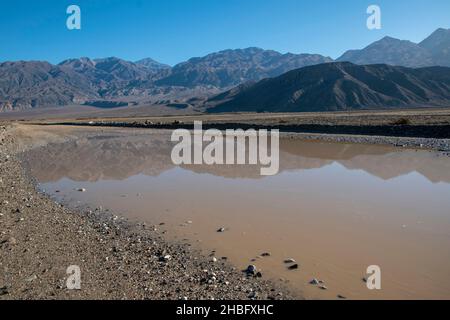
(265,254)
(221,230)
(214,259)
(293,267)
(165,258)
(341,297)
(253,295)
(323,287)
(32,278)
(290,260)
(81,190)
(314,282)
(3,291)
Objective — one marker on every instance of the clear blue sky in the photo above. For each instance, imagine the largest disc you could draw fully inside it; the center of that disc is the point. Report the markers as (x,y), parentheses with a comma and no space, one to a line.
(172,31)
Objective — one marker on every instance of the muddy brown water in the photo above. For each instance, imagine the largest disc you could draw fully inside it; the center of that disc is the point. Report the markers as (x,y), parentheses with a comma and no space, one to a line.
(334,208)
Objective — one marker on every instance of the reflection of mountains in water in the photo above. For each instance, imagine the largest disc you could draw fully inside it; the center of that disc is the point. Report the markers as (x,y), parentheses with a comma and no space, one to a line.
(117,158)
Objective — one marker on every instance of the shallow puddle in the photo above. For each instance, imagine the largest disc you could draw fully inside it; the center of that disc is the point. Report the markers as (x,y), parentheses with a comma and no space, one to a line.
(334,208)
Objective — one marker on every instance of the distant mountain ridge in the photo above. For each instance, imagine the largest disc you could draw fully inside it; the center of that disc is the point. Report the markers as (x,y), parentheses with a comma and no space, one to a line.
(25,85)
(152,64)
(232,67)
(339,86)
(433,51)
(114,81)
(88,80)
(438,44)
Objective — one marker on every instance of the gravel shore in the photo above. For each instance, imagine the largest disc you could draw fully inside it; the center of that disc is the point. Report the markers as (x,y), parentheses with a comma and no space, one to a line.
(118,259)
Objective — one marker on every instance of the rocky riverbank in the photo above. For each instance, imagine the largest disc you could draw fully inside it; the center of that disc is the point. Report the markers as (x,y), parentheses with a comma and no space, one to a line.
(118,259)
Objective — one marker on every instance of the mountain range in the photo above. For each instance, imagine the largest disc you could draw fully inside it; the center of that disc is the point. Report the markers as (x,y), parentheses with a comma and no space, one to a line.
(233,67)
(339,86)
(113,81)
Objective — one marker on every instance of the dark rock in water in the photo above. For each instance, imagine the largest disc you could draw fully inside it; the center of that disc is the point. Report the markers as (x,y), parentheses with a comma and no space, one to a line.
(251,269)
(293,267)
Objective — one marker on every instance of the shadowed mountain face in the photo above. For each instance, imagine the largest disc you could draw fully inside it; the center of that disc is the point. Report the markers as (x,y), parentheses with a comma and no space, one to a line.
(232,67)
(433,51)
(115,157)
(339,86)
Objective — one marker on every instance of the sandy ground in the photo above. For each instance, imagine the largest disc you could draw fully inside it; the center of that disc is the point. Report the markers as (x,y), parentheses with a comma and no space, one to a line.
(118,259)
